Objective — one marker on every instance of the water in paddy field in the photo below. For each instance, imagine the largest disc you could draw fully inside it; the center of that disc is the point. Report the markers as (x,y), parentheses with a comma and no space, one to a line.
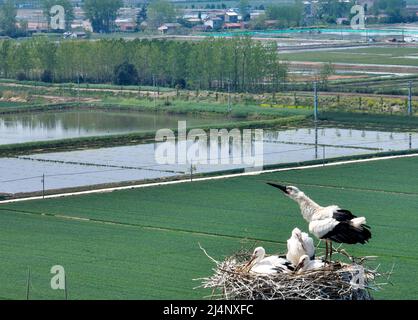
(129,163)
(25,127)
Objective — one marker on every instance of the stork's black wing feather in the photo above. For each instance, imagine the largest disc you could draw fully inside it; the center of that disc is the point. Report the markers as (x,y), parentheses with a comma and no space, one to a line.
(345,232)
(343,215)
(285,266)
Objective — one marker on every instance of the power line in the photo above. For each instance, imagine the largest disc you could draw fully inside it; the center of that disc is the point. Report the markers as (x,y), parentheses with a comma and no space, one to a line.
(98,164)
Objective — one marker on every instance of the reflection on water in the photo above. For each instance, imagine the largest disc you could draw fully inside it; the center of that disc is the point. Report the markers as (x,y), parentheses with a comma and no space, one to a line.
(127,163)
(25,127)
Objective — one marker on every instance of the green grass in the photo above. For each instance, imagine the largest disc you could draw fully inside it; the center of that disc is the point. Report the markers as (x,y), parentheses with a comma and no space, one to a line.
(8,104)
(72,85)
(151,248)
(103,262)
(376,120)
(239,110)
(385,56)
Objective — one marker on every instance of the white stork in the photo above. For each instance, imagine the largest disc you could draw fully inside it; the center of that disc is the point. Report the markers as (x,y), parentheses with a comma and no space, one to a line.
(306,264)
(299,244)
(261,264)
(329,223)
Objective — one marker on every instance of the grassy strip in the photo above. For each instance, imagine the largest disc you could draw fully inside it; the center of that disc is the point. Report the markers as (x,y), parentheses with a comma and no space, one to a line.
(171,107)
(11,104)
(132,138)
(379,120)
(70,85)
(193,107)
(38,107)
(375,80)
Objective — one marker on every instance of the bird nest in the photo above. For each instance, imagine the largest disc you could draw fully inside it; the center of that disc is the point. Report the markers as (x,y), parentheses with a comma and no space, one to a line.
(336,281)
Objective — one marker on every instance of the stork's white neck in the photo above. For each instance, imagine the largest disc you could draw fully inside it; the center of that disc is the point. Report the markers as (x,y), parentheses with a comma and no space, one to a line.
(307,206)
(259,258)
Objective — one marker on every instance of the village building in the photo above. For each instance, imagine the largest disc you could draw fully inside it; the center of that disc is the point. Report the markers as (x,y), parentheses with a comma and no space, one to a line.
(215,23)
(125,25)
(231,17)
(168,28)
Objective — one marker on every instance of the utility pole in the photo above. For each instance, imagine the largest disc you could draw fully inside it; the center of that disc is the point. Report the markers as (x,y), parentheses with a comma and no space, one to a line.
(78,88)
(410,99)
(43,186)
(229,96)
(192,169)
(316,141)
(410,141)
(153,84)
(315,85)
(28,285)
(65,288)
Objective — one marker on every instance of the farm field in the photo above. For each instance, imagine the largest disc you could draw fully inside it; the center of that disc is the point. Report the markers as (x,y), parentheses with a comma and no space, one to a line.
(130,244)
(405,56)
(76,123)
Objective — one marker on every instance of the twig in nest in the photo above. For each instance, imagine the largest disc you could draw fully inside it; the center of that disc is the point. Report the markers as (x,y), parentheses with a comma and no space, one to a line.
(207,255)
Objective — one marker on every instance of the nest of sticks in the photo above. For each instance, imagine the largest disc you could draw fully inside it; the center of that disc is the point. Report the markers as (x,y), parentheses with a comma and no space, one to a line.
(353,280)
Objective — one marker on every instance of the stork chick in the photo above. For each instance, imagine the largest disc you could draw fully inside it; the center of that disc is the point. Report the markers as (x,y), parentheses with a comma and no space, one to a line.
(306,264)
(261,264)
(299,244)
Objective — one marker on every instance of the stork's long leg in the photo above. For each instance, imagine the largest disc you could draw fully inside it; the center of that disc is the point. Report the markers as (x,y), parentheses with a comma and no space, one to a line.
(330,252)
(326,250)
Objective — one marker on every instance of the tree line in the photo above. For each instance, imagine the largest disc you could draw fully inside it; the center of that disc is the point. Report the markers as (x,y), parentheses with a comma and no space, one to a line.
(240,64)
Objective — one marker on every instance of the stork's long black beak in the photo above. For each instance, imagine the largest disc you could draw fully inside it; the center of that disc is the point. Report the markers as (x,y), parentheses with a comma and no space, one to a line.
(299,266)
(278,186)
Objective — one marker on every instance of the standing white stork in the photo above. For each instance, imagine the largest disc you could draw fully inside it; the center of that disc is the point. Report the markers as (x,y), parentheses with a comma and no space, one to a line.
(329,223)
(299,244)
(259,263)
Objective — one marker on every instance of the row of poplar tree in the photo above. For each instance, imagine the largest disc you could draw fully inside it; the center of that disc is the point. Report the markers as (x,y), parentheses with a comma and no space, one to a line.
(240,64)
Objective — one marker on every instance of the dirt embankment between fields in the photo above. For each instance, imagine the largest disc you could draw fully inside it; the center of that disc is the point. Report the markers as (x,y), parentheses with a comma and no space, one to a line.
(151,93)
(358,67)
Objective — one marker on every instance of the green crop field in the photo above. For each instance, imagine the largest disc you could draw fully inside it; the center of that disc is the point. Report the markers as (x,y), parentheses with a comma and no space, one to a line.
(7,104)
(143,243)
(375,55)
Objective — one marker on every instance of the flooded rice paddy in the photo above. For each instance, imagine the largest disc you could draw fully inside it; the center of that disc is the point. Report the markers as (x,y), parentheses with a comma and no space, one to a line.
(128,163)
(44,126)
